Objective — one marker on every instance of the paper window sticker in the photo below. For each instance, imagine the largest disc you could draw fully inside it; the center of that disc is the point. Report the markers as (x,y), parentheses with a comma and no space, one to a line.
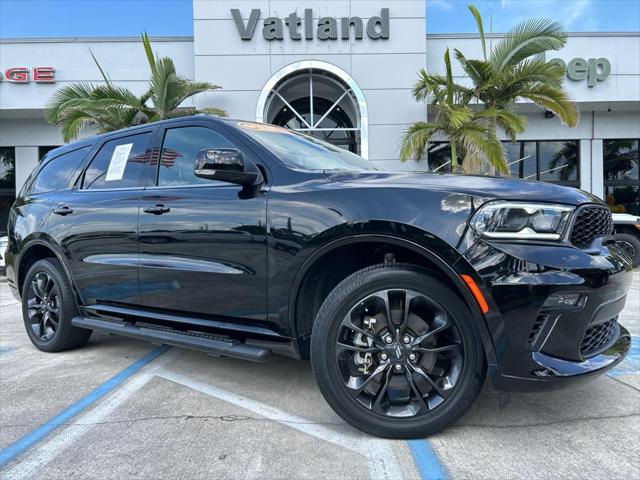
(118,162)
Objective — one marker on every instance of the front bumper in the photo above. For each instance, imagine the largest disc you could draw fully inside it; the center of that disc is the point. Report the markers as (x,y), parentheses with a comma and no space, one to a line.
(543,346)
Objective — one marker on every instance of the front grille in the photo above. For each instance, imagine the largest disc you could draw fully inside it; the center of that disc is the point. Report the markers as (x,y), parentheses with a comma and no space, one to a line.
(591,223)
(597,336)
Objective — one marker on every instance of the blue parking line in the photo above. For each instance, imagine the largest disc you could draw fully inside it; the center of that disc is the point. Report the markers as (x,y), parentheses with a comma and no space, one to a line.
(426,460)
(631,364)
(33,437)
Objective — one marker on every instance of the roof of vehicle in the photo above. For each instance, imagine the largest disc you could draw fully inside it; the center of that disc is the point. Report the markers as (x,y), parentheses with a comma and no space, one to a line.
(96,138)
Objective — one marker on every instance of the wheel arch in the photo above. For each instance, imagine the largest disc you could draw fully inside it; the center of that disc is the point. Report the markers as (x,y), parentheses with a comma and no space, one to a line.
(34,250)
(302,316)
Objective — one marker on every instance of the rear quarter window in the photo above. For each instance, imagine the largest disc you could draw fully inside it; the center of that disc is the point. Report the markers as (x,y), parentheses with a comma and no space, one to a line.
(58,172)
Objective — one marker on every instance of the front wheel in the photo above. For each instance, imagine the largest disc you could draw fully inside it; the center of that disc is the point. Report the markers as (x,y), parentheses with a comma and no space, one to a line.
(395,352)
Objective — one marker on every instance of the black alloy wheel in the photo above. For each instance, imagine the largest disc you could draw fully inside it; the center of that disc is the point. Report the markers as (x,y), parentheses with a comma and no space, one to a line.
(403,367)
(43,306)
(48,305)
(395,352)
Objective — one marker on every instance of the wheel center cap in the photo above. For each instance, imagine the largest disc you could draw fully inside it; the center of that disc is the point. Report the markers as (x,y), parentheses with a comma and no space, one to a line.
(397,352)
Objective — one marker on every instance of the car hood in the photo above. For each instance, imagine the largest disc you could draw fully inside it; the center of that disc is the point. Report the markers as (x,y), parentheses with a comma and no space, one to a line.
(484,187)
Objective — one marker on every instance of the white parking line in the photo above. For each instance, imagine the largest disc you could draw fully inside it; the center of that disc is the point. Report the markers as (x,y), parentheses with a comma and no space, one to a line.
(379,454)
(47,451)
(383,463)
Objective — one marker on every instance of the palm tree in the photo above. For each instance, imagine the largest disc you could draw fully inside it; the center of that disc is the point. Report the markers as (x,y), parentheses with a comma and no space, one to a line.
(109,107)
(510,72)
(514,70)
(466,129)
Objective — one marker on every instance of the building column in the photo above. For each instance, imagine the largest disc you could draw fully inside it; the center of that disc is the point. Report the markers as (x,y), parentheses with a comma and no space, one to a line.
(26,160)
(585,165)
(597,168)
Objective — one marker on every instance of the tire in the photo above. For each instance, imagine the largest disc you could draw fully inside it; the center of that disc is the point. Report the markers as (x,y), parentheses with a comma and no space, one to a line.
(634,242)
(333,367)
(49,326)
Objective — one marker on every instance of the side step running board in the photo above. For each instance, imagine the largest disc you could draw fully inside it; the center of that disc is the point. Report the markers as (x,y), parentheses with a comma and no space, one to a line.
(194,341)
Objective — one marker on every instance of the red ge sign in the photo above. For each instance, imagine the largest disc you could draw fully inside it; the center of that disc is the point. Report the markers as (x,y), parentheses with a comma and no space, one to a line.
(21,75)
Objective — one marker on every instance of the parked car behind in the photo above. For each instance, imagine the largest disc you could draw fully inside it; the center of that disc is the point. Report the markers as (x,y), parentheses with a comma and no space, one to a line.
(4,241)
(627,232)
(242,239)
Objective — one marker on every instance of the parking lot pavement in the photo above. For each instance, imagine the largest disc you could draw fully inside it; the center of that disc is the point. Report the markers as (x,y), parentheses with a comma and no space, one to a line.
(172,413)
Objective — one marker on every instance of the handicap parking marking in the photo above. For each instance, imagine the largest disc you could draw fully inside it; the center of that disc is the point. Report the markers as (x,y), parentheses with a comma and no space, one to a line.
(631,364)
(34,437)
(426,460)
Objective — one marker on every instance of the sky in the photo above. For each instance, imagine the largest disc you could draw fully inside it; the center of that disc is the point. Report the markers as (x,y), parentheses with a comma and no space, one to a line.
(452,16)
(112,18)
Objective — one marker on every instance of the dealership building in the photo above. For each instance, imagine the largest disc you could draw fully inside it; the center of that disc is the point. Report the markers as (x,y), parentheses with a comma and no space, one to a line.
(342,71)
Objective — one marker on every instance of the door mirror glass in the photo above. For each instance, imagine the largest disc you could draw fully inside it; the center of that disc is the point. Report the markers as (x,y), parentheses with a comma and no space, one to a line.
(226,165)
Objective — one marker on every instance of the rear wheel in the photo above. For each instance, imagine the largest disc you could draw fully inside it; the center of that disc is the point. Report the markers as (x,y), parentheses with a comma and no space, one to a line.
(395,352)
(48,306)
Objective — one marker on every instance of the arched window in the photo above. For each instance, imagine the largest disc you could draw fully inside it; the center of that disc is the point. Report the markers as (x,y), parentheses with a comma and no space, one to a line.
(319,99)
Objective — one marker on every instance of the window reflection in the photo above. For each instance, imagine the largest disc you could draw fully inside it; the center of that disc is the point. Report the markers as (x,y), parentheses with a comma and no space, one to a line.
(7,168)
(549,161)
(439,157)
(522,159)
(621,175)
(559,161)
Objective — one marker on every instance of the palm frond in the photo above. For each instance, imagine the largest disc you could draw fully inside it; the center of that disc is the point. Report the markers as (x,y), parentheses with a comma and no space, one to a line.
(73,123)
(108,106)
(68,96)
(480,71)
(447,65)
(478,18)
(553,99)
(189,89)
(108,96)
(218,112)
(164,86)
(105,77)
(511,122)
(528,38)
(479,141)
(429,84)
(146,44)
(532,70)
(415,139)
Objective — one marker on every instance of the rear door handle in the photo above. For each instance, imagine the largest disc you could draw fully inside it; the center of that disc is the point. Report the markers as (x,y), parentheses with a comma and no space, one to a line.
(158,209)
(63,210)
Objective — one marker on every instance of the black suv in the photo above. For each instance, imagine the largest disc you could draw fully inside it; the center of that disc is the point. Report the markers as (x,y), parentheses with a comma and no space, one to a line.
(242,239)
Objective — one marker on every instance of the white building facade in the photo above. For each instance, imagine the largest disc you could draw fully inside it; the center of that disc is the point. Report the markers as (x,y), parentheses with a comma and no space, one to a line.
(341,70)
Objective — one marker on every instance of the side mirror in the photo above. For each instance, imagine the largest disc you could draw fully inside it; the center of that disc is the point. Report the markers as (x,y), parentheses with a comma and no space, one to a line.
(227,165)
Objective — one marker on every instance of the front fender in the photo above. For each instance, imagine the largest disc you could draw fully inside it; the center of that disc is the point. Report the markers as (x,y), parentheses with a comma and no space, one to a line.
(436,251)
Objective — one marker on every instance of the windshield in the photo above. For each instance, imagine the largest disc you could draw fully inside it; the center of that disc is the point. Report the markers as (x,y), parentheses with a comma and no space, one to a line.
(304,151)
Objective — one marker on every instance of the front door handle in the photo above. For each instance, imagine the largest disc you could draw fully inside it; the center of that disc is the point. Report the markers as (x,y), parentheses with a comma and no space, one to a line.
(157,209)
(63,210)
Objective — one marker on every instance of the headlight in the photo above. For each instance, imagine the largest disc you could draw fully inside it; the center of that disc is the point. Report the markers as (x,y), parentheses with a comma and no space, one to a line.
(516,220)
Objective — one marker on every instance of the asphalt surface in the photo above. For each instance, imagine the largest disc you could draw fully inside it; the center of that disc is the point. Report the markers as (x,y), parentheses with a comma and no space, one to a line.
(171,413)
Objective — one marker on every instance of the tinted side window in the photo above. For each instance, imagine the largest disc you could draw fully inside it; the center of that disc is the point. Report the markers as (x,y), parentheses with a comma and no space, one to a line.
(122,163)
(56,174)
(179,151)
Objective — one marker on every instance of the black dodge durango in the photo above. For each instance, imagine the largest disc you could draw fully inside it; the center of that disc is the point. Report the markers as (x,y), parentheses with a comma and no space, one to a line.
(245,240)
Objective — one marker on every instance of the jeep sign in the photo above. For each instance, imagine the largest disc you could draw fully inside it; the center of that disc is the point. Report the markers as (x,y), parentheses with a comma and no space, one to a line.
(326,28)
(593,70)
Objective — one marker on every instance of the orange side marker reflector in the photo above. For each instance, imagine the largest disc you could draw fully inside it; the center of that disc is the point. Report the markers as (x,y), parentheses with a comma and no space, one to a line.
(482,303)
